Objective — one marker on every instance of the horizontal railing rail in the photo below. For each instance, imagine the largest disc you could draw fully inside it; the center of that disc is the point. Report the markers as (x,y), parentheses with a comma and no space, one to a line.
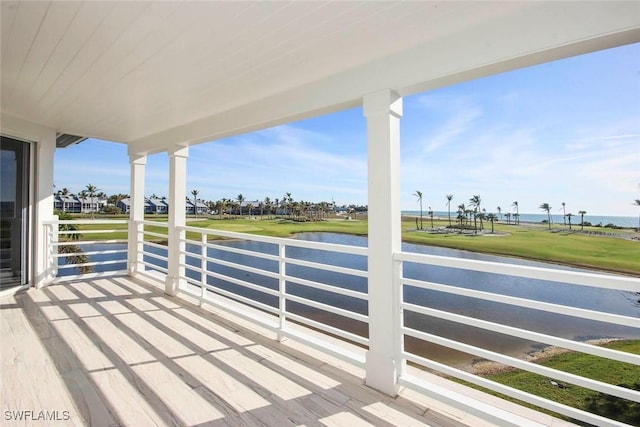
(603,281)
(153,255)
(70,251)
(598,280)
(271,282)
(310,297)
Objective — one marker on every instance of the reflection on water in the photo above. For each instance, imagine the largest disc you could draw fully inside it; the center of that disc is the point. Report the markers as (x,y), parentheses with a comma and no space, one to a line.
(611,301)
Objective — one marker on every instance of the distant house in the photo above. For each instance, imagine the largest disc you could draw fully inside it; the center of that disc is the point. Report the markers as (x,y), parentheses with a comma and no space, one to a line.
(151,206)
(244,207)
(156,206)
(91,204)
(69,204)
(159,206)
(124,205)
(75,204)
(191,208)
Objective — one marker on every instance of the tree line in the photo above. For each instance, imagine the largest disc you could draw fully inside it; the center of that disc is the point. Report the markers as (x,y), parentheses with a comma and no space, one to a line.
(473,215)
(299,210)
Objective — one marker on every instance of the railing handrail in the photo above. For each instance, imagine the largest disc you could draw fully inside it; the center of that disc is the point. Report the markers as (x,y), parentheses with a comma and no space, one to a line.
(156,223)
(598,280)
(85,221)
(353,250)
(526,303)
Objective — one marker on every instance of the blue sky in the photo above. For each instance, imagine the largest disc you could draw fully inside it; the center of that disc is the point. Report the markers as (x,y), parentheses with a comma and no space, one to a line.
(566,131)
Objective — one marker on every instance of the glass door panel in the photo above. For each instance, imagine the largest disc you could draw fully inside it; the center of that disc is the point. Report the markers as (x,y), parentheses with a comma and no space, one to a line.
(14,212)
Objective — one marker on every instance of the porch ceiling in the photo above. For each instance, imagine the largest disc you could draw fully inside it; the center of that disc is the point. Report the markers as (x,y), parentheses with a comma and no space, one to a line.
(158,73)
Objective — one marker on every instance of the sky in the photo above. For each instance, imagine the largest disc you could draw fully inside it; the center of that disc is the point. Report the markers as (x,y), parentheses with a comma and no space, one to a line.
(566,131)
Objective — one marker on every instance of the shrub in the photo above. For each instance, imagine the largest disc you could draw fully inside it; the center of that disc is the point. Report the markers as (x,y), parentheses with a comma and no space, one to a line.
(613,407)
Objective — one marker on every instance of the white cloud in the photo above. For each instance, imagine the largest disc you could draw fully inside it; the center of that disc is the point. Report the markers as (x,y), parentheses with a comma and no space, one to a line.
(278,160)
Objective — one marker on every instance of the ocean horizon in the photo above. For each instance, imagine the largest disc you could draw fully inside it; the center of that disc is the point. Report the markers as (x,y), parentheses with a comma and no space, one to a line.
(620,221)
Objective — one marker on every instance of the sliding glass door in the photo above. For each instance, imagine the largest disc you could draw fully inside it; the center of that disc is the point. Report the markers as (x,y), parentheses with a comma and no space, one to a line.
(14,210)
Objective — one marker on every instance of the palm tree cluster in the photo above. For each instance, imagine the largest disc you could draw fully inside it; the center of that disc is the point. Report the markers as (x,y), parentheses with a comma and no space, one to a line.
(566,217)
(473,215)
(285,206)
(466,215)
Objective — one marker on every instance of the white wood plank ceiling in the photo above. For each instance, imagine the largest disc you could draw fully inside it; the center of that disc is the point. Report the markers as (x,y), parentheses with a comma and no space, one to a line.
(153,73)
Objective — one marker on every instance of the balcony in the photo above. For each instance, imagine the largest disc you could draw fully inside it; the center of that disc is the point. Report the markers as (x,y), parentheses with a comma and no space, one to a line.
(241,313)
(118,72)
(116,351)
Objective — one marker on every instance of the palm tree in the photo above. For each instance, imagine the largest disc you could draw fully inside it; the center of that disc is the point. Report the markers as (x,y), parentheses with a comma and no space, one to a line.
(636,202)
(83,199)
(195,193)
(569,215)
(462,210)
(508,215)
(547,208)
(268,206)
(418,194)
(64,193)
(431,215)
(499,209)
(582,214)
(492,218)
(449,198)
(564,214)
(288,200)
(482,216)
(91,192)
(517,216)
(475,202)
(240,200)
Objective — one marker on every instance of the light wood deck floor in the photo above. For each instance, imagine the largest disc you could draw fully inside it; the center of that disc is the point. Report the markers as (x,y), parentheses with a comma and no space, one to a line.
(113,351)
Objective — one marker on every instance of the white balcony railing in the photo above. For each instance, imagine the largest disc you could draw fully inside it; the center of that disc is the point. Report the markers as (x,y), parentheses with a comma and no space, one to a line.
(519,271)
(72,254)
(278,278)
(270,286)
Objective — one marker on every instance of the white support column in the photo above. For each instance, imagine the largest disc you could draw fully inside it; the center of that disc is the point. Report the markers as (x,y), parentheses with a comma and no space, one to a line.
(177,216)
(383,111)
(138,163)
(43,204)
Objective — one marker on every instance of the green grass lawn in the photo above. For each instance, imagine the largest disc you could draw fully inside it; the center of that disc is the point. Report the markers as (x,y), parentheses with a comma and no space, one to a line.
(530,242)
(538,243)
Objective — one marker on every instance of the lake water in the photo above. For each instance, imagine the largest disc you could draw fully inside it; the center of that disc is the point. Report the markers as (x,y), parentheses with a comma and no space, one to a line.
(618,302)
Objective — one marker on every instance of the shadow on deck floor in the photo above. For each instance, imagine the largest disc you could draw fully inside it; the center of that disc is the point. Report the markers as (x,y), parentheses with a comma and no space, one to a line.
(115,351)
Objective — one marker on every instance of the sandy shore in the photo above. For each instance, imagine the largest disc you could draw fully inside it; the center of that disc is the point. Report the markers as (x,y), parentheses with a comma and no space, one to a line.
(487,367)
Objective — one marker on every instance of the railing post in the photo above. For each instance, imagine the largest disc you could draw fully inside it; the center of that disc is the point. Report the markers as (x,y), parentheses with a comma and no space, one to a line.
(50,241)
(282,289)
(203,267)
(54,237)
(398,274)
(383,110)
